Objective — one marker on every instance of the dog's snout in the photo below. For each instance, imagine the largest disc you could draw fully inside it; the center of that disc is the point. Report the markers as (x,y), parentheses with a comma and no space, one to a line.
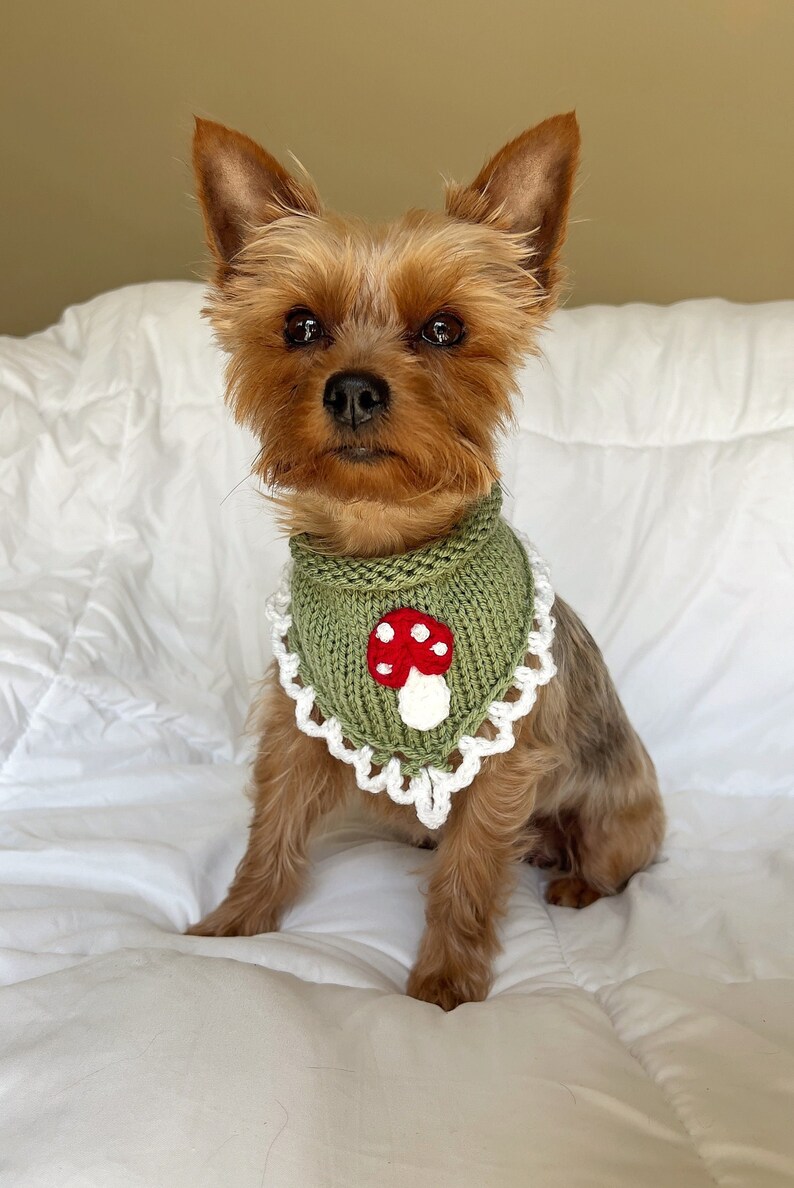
(355,397)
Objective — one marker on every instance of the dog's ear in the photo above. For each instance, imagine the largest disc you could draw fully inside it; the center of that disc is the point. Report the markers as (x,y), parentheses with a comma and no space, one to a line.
(241,187)
(526,187)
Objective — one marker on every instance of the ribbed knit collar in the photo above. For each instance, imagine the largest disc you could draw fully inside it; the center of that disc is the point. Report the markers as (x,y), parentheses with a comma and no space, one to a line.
(402,570)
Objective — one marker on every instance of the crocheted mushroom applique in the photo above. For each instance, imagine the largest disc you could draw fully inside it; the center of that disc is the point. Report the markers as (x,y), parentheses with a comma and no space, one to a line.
(410,651)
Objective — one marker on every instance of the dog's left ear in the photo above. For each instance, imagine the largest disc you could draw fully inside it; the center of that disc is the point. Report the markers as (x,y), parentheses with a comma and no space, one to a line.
(526,187)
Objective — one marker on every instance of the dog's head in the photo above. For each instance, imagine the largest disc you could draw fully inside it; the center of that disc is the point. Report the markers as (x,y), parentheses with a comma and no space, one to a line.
(377,362)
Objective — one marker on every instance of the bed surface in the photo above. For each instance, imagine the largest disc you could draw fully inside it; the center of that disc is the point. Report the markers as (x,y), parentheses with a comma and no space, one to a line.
(648,1040)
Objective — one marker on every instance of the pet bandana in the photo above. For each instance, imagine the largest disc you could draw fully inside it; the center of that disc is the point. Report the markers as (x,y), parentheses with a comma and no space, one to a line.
(397,662)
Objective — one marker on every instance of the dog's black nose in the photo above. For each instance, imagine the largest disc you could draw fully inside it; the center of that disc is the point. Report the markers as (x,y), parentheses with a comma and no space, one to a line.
(355,397)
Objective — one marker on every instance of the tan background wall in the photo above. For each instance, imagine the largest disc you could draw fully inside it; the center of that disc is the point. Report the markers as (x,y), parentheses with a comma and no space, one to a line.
(687,110)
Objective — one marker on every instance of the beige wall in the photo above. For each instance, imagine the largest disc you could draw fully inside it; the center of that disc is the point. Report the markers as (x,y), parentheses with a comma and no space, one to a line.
(687,110)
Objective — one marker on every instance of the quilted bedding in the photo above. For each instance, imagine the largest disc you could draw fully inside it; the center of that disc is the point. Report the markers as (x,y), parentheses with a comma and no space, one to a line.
(648,1040)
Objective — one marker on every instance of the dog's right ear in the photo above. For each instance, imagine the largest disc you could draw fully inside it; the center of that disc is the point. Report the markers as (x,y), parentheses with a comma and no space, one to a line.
(241,187)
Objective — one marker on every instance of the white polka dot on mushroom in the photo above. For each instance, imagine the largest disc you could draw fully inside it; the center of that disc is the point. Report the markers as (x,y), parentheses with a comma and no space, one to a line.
(420,632)
(384,669)
(439,648)
(385,633)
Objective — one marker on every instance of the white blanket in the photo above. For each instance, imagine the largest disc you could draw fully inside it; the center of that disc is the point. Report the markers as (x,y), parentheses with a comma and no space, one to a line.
(646,1041)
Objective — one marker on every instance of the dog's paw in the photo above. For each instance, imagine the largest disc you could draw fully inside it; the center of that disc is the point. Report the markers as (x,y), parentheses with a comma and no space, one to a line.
(571,892)
(208,927)
(446,990)
(222,922)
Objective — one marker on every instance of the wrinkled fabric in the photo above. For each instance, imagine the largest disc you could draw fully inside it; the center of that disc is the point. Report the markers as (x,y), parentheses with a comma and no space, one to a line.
(648,1039)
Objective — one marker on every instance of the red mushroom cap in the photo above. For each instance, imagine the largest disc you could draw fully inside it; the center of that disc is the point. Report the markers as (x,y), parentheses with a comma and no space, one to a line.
(406,639)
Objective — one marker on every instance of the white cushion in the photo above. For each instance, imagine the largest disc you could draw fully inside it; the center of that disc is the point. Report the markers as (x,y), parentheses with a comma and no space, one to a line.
(647,1040)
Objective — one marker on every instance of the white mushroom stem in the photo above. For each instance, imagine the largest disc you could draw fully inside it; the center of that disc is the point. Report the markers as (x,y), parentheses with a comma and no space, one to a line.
(423,700)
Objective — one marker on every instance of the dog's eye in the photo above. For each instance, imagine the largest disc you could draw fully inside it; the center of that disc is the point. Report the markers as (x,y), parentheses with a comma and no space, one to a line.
(302,327)
(443,330)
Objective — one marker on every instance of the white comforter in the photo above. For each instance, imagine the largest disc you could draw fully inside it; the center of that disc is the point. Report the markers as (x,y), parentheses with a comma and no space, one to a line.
(648,1040)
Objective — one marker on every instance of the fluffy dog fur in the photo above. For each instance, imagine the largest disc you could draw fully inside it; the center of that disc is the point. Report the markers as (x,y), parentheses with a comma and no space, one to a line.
(578,793)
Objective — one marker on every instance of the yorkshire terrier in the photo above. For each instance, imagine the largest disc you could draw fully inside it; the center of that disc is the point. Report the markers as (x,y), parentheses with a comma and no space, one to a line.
(376,366)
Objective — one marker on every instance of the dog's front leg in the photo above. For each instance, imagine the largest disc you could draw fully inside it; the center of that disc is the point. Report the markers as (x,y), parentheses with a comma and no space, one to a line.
(472,876)
(294,782)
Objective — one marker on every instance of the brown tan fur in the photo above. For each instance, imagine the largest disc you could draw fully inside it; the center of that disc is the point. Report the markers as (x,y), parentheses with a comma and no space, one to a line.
(578,793)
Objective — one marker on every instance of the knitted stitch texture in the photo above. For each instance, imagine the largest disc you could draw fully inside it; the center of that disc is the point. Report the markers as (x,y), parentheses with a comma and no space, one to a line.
(477,580)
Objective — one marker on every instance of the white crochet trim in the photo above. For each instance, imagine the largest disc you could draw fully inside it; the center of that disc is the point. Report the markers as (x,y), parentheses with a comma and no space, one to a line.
(431,790)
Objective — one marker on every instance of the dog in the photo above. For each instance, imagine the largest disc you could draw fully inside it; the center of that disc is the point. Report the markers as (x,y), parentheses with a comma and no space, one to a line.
(376,366)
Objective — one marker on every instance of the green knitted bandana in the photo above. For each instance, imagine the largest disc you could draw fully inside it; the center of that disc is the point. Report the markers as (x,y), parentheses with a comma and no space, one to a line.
(396,662)
(476,582)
